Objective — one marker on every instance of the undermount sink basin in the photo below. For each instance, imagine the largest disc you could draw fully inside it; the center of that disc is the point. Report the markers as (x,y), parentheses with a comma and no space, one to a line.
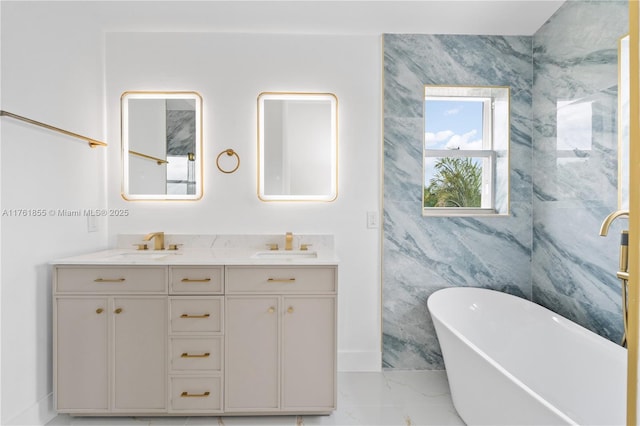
(146,255)
(286,254)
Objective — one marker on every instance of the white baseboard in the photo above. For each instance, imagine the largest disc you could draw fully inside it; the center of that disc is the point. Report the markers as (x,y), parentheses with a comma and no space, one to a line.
(40,413)
(359,361)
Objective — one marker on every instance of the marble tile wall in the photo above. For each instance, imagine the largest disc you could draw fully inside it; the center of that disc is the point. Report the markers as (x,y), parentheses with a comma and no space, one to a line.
(575,161)
(424,254)
(562,180)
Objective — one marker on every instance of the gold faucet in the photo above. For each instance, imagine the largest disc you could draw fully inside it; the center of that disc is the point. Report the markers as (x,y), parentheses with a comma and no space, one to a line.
(159,240)
(623,265)
(623,261)
(288,241)
(604,228)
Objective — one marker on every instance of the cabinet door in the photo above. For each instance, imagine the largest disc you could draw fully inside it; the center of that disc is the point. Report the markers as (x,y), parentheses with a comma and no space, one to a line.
(81,329)
(140,353)
(252,357)
(309,353)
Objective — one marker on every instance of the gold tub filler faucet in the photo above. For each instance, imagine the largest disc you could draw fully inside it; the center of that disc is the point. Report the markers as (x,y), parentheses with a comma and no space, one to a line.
(623,263)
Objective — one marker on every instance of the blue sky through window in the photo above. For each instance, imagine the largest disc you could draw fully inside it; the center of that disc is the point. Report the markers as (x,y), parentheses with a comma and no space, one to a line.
(451,124)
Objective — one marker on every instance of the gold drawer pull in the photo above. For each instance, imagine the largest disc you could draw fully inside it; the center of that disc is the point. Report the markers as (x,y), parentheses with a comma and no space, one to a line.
(109,280)
(281,280)
(194,395)
(191,280)
(195,316)
(99,311)
(271,310)
(290,309)
(117,311)
(188,355)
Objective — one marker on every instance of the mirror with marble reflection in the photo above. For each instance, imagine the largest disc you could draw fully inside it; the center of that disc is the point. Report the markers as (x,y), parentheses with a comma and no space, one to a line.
(161,145)
(297,146)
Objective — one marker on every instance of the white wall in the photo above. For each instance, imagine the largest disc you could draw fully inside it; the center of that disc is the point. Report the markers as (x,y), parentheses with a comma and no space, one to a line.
(1,204)
(53,70)
(230,71)
(57,80)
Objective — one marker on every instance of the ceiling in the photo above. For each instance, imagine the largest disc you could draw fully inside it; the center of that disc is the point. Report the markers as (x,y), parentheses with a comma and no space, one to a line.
(481,17)
(501,17)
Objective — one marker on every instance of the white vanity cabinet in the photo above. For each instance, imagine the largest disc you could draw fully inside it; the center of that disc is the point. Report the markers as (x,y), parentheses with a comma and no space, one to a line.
(280,339)
(110,334)
(196,329)
(184,339)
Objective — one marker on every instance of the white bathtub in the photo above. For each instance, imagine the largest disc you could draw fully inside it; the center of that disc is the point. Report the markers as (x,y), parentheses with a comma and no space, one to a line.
(512,362)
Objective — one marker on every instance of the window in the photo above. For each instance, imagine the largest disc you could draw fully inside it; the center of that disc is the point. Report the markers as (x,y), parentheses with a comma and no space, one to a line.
(181,178)
(466,141)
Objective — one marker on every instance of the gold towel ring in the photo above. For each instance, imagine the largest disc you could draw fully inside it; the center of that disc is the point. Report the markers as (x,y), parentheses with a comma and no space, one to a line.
(229,152)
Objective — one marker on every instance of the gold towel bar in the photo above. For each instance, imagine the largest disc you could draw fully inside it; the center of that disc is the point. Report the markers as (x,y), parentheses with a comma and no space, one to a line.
(160,161)
(92,142)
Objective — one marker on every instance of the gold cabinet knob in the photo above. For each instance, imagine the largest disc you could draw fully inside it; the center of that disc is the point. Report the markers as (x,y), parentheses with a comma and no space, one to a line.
(99,311)
(117,311)
(271,310)
(290,309)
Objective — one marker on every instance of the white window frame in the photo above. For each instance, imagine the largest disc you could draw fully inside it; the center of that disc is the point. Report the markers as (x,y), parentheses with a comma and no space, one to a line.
(487,153)
(487,194)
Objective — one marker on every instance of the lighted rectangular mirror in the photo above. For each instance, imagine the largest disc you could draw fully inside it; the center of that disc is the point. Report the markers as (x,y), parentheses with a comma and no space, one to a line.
(297,146)
(161,145)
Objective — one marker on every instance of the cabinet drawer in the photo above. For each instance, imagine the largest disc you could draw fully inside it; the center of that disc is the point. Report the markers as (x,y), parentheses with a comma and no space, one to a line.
(195,280)
(196,314)
(111,279)
(196,354)
(280,279)
(196,393)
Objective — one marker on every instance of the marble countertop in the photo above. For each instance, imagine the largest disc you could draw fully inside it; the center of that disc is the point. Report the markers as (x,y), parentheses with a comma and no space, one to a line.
(213,250)
(197,256)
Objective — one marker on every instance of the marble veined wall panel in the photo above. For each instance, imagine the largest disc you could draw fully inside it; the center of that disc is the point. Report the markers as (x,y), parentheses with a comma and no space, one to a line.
(424,254)
(575,163)
(563,177)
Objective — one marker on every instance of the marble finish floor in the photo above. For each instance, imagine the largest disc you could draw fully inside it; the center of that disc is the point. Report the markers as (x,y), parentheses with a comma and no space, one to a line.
(388,398)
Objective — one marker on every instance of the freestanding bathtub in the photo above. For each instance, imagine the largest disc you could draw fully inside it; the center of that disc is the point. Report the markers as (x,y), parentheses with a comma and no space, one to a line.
(512,362)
